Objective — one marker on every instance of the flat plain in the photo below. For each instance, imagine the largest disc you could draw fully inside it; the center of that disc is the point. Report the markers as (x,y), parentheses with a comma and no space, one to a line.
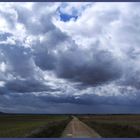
(24,125)
(114,125)
(49,126)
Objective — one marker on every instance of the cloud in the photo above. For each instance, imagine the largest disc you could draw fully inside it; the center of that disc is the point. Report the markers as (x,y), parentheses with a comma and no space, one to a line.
(21,86)
(75,65)
(91,61)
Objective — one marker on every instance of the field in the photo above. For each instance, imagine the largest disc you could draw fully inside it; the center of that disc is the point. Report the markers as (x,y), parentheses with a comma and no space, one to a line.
(26,125)
(114,125)
(53,125)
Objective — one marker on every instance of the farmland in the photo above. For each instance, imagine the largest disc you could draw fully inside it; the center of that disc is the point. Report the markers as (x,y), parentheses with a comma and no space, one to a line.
(24,125)
(114,125)
(49,126)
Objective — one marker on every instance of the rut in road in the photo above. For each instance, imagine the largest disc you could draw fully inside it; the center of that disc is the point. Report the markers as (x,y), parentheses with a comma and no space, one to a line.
(78,129)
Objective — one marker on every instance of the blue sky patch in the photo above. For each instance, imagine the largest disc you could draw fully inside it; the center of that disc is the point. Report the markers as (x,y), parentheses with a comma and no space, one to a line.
(66,17)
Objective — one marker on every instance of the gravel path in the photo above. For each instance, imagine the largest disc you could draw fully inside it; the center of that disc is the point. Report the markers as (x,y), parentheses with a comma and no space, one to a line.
(78,129)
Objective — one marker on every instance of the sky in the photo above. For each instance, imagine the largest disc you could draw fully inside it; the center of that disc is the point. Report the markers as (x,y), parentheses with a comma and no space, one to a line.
(70,57)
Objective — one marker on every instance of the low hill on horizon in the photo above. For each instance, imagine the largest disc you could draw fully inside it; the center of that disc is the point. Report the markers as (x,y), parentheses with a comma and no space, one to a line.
(2,112)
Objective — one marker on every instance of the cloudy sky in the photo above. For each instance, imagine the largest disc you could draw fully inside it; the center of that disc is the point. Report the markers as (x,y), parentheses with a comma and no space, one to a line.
(70,57)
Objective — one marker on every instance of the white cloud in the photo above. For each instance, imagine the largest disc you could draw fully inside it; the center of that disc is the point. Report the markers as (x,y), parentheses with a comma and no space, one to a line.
(2,67)
(2,83)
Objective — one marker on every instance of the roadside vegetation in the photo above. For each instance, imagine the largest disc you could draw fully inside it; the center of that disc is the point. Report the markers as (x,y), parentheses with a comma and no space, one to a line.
(51,130)
(25,125)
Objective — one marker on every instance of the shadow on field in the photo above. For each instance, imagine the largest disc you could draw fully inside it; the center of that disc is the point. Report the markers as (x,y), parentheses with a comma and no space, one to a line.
(51,130)
(111,130)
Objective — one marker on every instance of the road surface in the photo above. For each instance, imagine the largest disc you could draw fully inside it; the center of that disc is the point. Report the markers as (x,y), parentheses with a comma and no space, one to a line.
(78,129)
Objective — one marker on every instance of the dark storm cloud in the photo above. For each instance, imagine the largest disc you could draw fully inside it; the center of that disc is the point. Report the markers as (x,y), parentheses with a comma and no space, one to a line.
(91,99)
(45,60)
(18,60)
(44,56)
(26,86)
(53,104)
(3,90)
(74,65)
(97,68)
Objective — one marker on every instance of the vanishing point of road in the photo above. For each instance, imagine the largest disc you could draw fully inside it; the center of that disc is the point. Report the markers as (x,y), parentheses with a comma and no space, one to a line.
(78,129)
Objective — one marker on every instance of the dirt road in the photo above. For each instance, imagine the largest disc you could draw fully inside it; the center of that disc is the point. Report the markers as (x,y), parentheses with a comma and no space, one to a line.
(78,129)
